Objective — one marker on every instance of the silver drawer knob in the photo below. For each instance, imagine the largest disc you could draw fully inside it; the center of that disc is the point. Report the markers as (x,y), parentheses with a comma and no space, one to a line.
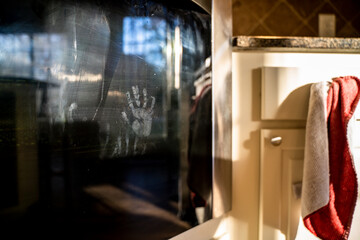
(276,141)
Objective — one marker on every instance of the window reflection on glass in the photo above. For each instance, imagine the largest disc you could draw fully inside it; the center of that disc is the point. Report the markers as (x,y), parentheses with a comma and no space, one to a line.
(145,37)
(15,55)
(97,119)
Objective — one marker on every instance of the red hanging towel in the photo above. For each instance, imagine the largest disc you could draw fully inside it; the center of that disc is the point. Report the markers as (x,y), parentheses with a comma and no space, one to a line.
(333,221)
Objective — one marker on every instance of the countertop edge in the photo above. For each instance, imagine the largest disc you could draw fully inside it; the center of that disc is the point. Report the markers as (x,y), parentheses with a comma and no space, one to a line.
(321,44)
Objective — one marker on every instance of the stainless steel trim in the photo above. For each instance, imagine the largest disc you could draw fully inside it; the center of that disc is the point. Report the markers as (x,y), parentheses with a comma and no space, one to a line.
(222,106)
(204,4)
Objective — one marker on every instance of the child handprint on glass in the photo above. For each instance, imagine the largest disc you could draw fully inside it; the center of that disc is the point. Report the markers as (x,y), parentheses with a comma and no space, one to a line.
(141,119)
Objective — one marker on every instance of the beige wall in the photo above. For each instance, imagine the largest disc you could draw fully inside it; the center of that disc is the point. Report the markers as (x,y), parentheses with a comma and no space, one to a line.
(294,17)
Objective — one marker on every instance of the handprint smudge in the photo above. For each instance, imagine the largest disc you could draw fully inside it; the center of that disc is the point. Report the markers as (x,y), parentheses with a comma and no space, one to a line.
(141,125)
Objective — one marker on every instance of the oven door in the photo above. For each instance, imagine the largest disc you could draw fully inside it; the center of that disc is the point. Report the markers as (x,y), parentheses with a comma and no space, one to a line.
(116,115)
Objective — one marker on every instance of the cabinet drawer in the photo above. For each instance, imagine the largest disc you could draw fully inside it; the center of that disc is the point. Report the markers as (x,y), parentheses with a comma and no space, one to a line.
(284,95)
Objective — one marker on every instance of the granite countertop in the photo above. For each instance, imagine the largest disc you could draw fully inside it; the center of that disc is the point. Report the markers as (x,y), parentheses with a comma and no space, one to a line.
(294,44)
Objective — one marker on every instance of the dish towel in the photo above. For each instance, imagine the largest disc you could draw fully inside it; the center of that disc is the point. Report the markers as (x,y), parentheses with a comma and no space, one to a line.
(333,220)
(315,185)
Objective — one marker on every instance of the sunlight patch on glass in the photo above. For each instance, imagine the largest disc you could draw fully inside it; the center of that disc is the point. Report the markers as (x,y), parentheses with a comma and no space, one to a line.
(145,37)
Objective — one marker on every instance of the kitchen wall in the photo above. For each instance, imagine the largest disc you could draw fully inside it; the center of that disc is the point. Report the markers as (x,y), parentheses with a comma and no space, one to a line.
(294,17)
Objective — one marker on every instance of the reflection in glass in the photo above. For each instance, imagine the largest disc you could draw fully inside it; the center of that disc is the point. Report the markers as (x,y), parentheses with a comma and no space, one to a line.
(105,123)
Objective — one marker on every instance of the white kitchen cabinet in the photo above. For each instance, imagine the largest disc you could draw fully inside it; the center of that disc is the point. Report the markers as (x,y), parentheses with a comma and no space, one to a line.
(282,90)
(264,204)
(281,166)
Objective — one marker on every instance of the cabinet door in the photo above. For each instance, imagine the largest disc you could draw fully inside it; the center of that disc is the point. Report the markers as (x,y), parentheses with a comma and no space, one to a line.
(281,167)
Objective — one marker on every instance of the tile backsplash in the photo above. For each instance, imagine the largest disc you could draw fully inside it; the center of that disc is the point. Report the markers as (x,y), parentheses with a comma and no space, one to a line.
(294,17)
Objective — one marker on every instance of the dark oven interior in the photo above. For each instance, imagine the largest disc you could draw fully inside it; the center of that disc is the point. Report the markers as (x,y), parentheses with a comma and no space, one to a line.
(105,121)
